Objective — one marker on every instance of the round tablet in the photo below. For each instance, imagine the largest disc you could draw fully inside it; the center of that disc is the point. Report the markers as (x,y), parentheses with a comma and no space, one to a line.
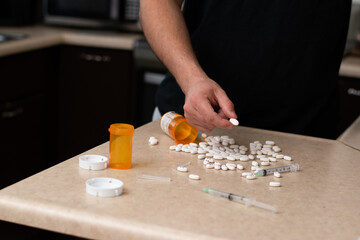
(104,187)
(234,121)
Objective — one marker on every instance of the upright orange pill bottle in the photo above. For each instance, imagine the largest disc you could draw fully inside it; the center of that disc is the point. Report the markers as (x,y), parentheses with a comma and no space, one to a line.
(121,138)
(176,126)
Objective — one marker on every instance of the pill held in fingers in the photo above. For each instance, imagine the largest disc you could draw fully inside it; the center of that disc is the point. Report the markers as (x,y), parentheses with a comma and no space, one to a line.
(234,121)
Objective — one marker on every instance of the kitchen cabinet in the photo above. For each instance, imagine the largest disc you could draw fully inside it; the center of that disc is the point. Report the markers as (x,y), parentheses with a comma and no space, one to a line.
(26,114)
(349,102)
(95,88)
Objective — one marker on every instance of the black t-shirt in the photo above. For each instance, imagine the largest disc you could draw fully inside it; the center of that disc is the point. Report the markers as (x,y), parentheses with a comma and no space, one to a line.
(277,60)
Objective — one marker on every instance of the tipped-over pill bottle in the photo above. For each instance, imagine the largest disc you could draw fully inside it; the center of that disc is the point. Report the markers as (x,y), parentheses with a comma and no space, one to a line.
(176,126)
(121,136)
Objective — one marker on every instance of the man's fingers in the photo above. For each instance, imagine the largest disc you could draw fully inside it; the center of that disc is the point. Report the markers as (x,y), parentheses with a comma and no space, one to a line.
(226,106)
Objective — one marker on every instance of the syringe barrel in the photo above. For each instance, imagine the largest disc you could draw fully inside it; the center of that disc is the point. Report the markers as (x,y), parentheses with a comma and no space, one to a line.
(287,168)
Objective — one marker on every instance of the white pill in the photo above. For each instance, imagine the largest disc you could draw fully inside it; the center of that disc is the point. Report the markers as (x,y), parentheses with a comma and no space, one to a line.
(231,167)
(205,161)
(194,177)
(178,149)
(172,147)
(287,158)
(254,163)
(182,169)
(201,151)
(270,142)
(265,163)
(217,167)
(201,156)
(264,159)
(272,159)
(193,151)
(239,166)
(230,158)
(260,156)
(242,152)
(251,176)
(209,154)
(254,168)
(153,141)
(203,135)
(274,184)
(218,157)
(224,167)
(231,141)
(251,157)
(279,156)
(244,158)
(209,166)
(234,121)
(244,174)
(277,174)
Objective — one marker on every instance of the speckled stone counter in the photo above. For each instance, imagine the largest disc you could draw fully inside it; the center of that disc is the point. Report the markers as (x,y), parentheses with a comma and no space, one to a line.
(321,201)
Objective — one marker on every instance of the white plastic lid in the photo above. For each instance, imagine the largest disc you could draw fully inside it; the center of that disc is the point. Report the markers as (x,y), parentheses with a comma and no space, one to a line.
(104,187)
(93,162)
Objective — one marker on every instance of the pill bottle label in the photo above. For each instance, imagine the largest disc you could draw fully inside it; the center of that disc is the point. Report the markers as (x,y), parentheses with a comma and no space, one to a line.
(166,119)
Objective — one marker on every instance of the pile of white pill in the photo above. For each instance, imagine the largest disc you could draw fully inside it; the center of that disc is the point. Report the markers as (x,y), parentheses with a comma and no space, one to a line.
(220,153)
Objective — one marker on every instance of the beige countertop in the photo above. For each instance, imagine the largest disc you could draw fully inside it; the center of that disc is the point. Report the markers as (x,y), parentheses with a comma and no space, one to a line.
(351,136)
(321,201)
(44,36)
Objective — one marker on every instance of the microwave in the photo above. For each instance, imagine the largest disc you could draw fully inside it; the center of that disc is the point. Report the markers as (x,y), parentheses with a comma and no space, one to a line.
(101,14)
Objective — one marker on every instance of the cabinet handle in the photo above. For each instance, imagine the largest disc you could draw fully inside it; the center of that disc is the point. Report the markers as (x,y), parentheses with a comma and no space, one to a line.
(12,113)
(95,58)
(353,92)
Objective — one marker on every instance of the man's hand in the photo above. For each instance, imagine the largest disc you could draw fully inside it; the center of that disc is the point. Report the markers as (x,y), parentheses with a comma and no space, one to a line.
(207,106)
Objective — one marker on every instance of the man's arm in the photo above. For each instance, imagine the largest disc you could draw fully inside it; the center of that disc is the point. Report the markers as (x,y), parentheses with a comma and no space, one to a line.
(165,29)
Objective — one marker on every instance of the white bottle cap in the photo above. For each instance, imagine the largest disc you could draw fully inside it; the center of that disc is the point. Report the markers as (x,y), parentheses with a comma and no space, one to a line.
(104,187)
(93,162)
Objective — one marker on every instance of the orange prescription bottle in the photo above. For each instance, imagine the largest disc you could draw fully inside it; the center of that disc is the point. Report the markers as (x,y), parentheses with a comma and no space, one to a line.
(176,126)
(121,136)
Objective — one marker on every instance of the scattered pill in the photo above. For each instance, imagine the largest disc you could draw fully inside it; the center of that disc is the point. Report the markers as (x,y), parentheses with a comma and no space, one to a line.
(287,158)
(209,166)
(218,157)
(277,174)
(244,158)
(224,167)
(194,177)
(270,142)
(272,159)
(201,156)
(203,135)
(254,163)
(274,184)
(153,141)
(265,163)
(244,174)
(182,169)
(217,167)
(239,166)
(251,176)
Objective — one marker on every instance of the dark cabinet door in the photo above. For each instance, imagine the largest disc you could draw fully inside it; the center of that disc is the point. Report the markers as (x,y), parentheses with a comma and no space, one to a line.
(24,145)
(95,89)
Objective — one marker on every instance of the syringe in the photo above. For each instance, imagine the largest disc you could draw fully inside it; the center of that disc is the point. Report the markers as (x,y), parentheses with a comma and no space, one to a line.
(287,168)
(241,199)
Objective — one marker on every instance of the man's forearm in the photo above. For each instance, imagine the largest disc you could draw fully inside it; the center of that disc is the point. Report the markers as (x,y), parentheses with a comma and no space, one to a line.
(167,34)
